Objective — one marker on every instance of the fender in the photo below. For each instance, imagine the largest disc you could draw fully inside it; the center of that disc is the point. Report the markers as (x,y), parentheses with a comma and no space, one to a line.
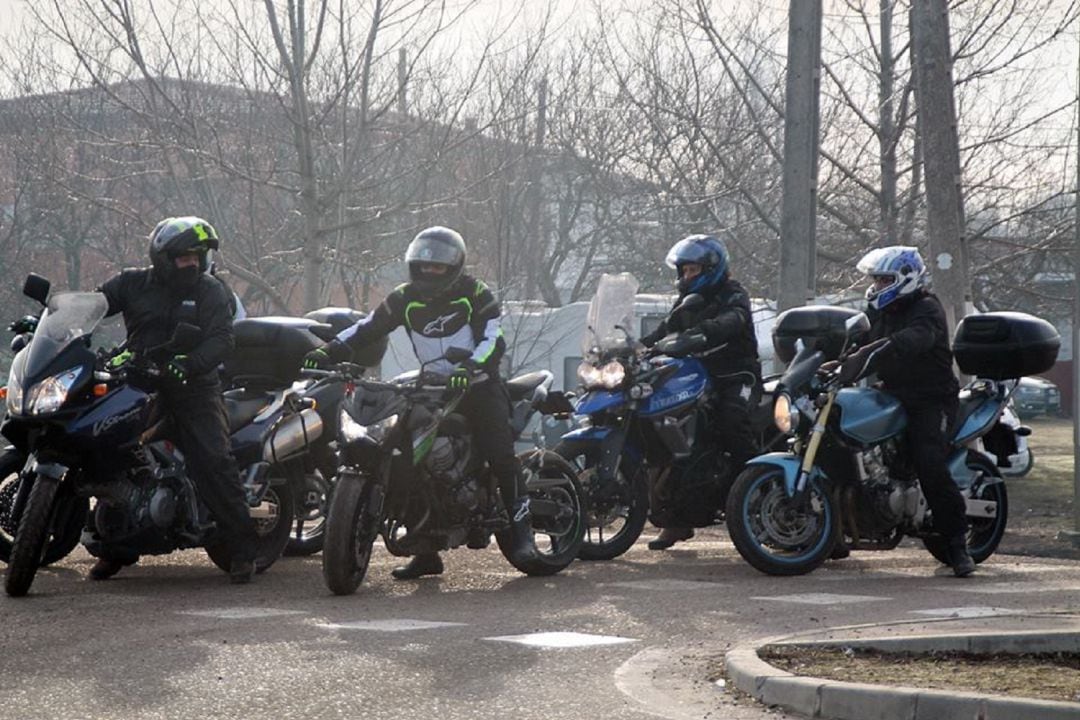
(789,463)
(588,434)
(961,474)
(595,401)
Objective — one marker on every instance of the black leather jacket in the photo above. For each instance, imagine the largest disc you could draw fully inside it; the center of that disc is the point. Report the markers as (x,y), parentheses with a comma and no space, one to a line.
(917,364)
(727,318)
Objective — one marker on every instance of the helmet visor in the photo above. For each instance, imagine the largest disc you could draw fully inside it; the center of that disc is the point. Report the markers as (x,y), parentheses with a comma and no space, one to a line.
(876,262)
(435,251)
(689,251)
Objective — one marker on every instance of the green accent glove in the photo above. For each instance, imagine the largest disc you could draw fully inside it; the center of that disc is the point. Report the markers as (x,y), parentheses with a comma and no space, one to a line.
(460,378)
(118,361)
(177,368)
(316,359)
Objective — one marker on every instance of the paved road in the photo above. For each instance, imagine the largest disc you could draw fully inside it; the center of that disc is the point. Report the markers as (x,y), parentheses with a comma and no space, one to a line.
(171,639)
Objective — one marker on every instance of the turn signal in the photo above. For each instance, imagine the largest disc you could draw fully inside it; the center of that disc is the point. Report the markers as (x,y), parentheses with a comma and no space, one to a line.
(100,390)
(3,393)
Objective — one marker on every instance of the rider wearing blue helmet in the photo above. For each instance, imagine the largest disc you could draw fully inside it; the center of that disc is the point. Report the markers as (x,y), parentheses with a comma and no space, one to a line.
(912,358)
(701,263)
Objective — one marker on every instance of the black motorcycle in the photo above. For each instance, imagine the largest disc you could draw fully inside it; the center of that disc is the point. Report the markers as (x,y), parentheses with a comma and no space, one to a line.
(408,473)
(87,429)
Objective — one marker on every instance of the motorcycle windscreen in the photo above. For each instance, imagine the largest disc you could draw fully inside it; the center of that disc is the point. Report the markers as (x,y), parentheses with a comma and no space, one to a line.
(870,416)
(68,317)
(612,307)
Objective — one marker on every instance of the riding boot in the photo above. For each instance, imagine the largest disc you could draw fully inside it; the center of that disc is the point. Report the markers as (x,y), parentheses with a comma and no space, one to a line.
(106,567)
(959,559)
(523,547)
(669,536)
(427,563)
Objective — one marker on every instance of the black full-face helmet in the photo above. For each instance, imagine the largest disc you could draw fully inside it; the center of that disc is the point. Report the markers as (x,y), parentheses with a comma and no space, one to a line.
(181,236)
(433,247)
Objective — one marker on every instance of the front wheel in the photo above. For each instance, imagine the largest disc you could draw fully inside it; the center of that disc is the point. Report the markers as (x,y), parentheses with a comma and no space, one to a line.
(613,519)
(557,518)
(984,534)
(309,527)
(776,533)
(273,523)
(31,537)
(351,528)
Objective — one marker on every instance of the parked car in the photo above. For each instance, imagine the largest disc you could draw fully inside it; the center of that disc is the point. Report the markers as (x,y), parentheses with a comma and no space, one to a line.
(1037,396)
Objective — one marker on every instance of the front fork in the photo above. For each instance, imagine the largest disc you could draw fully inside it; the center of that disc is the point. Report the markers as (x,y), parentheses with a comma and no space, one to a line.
(814,444)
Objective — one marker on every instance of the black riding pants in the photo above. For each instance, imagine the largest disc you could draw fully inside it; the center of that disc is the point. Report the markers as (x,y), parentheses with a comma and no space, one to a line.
(733,430)
(486,406)
(929,426)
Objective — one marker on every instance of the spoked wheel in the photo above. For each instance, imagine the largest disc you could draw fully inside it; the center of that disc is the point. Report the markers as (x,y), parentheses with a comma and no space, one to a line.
(273,523)
(985,533)
(351,528)
(309,526)
(776,533)
(557,519)
(613,520)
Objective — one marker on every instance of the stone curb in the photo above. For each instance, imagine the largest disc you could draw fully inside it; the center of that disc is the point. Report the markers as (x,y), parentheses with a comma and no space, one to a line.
(821,698)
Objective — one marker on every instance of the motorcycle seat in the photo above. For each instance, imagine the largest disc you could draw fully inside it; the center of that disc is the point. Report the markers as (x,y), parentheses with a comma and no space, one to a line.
(242,407)
(525,385)
(968,404)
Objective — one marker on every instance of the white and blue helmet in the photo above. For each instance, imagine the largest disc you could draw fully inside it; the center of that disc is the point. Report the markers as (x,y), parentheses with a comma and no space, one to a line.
(902,263)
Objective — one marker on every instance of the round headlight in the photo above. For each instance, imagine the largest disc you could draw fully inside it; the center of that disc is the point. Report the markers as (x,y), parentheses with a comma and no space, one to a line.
(588,374)
(785,414)
(612,374)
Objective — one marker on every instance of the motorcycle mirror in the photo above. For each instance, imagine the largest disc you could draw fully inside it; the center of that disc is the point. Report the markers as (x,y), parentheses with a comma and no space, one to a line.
(857,324)
(36,288)
(185,336)
(19,342)
(457,354)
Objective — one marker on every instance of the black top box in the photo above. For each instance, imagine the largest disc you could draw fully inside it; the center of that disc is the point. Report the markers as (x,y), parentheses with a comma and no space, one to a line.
(820,327)
(1005,345)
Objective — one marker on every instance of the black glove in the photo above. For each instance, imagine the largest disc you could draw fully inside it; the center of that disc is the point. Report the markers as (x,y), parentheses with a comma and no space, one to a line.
(178,369)
(317,359)
(859,362)
(463,375)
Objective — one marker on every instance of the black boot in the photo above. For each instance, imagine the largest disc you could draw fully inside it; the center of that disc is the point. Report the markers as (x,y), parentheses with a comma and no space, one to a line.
(669,536)
(523,547)
(241,572)
(959,559)
(105,568)
(428,563)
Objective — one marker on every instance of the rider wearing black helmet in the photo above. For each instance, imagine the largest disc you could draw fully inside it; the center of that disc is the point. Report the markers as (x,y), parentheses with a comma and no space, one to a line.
(701,265)
(179,289)
(443,307)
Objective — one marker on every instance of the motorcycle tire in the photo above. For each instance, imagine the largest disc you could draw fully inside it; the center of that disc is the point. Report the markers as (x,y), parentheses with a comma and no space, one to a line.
(773,534)
(985,534)
(71,516)
(595,545)
(31,537)
(309,528)
(564,534)
(351,529)
(273,532)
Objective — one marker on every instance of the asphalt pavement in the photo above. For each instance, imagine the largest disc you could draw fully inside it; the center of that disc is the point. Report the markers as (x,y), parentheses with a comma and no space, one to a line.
(643,636)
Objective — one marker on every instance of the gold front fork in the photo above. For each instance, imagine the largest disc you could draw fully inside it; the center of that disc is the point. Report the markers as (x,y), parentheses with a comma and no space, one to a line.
(815,442)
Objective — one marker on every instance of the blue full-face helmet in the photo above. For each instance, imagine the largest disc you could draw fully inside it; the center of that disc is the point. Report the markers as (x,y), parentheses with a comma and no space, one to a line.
(709,252)
(902,265)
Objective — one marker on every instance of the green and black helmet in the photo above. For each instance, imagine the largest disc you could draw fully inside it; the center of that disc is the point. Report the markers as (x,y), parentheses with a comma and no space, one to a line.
(180,236)
(435,246)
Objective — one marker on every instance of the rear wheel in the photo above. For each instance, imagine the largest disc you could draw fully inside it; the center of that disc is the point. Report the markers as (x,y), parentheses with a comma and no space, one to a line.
(351,529)
(557,519)
(984,534)
(613,521)
(31,537)
(309,527)
(776,533)
(273,523)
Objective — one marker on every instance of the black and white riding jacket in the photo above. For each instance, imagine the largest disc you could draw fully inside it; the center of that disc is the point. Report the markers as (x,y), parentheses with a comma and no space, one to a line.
(466,316)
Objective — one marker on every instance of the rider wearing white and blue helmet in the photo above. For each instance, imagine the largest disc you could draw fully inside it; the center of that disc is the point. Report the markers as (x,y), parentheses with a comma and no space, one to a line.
(701,263)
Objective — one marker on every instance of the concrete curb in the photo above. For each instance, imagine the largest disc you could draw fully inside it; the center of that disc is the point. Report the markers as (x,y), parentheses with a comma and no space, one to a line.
(821,698)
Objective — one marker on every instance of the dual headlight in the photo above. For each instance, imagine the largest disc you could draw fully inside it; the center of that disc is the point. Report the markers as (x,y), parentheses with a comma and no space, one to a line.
(44,397)
(351,431)
(609,376)
(785,414)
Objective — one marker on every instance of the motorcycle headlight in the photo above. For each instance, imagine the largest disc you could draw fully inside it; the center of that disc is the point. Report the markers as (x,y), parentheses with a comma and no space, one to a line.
(588,374)
(612,374)
(48,395)
(14,393)
(785,414)
(351,431)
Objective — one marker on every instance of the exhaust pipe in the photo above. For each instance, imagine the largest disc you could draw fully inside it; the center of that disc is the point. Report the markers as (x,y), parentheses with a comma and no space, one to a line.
(292,434)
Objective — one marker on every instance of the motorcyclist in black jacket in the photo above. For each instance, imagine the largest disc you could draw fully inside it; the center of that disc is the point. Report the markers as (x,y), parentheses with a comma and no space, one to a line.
(178,289)
(701,264)
(443,307)
(908,348)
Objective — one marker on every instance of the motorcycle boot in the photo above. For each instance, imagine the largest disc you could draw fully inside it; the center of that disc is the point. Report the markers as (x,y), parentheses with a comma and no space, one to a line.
(241,572)
(523,546)
(421,564)
(959,559)
(669,536)
(106,567)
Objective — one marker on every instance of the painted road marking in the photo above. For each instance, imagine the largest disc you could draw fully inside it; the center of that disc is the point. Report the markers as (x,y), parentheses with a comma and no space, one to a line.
(965,612)
(1004,588)
(661,584)
(240,613)
(399,625)
(562,639)
(822,599)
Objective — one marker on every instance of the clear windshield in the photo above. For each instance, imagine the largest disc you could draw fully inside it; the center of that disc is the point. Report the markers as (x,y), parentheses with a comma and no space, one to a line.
(612,307)
(68,317)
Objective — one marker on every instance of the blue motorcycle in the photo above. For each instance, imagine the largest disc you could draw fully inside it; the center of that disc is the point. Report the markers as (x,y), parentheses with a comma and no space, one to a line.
(847,477)
(640,450)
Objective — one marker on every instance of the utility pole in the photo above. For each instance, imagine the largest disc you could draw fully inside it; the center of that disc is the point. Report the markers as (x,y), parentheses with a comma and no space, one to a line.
(535,194)
(1075,535)
(402,82)
(798,222)
(941,157)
